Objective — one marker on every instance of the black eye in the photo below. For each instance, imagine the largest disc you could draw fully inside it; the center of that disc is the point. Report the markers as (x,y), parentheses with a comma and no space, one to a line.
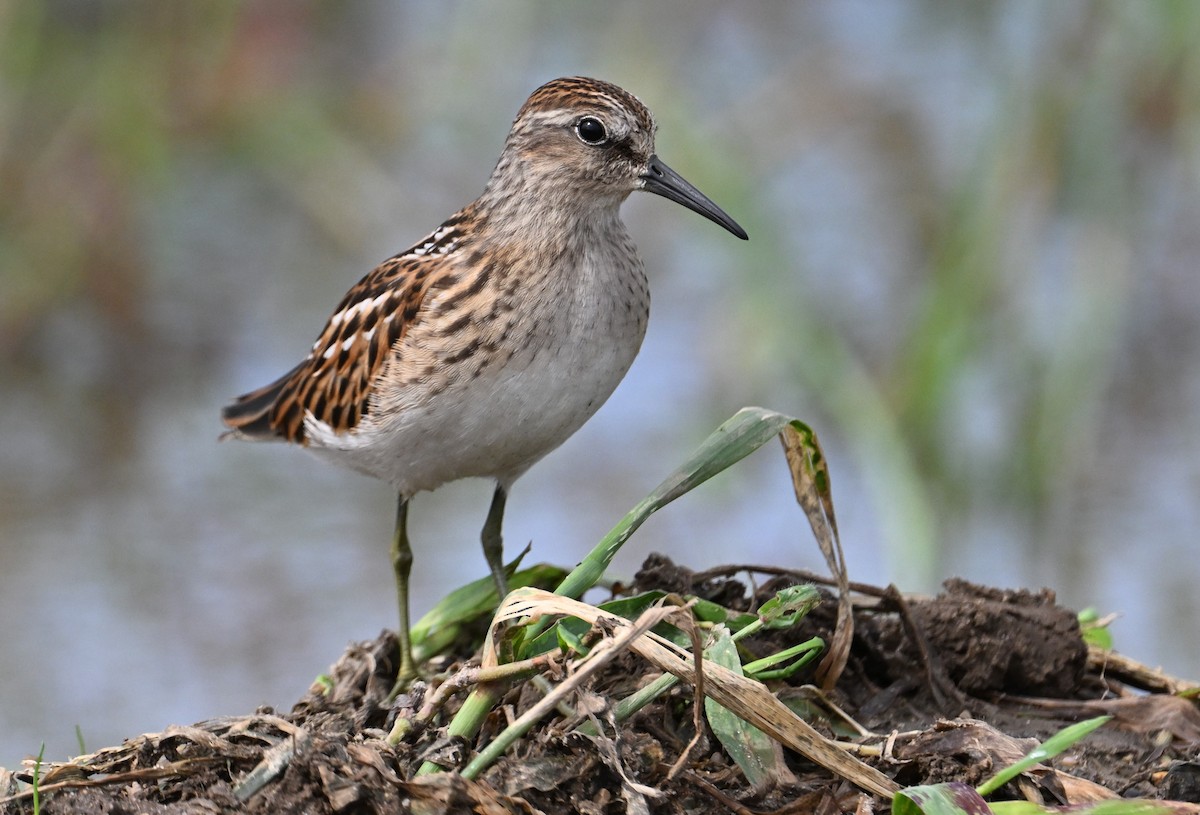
(591,130)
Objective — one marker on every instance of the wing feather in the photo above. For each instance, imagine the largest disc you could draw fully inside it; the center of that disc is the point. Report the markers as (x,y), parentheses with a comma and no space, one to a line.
(334,382)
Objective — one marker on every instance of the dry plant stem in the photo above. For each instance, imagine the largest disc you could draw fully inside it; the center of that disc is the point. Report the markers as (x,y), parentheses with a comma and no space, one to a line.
(806,804)
(466,722)
(1135,673)
(813,692)
(775,719)
(721,798)
(736,438)
(98,769)
(468,676)
(884,749)
(634,702)
(273,762)
(745,697)
(513,671)
(600,656)
(435,700)
(176,769)
(872,750)
(564,709)
(643,696)
(802,575)
(688,624)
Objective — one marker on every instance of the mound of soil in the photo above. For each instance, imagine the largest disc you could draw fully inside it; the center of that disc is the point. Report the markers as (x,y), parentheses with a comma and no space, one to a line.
(935,689)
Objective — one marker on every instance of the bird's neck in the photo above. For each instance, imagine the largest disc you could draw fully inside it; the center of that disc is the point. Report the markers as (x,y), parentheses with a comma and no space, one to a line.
(544,211)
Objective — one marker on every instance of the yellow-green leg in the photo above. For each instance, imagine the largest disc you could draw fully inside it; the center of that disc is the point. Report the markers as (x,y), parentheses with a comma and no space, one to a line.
(493,544)
(402,559)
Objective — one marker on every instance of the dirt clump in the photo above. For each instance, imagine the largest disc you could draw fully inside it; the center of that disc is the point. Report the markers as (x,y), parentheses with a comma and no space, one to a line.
(951,687)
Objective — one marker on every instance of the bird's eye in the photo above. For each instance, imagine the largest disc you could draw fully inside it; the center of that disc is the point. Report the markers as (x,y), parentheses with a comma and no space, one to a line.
(591,131)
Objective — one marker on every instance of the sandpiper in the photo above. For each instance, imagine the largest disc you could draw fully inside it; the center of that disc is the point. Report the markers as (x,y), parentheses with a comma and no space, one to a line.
(485,345)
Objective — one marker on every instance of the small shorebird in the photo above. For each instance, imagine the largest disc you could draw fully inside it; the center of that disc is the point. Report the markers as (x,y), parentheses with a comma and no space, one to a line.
(488,343)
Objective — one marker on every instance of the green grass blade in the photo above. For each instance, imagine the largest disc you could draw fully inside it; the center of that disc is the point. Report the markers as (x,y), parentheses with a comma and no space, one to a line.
(1114,806)
(37,780)
(751,749)
(1095,629)
(628,607)
(439,627)
(955,798)
(804,653)
(789,605)
(1110,807)
(743,433)
(1048,749)
(786,608)
(746,431)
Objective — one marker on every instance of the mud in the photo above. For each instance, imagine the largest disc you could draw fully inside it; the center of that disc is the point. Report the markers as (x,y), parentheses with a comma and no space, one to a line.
(950,687)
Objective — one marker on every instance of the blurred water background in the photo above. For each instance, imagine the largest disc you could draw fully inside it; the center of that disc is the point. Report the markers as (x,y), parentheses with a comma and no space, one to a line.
(972,267)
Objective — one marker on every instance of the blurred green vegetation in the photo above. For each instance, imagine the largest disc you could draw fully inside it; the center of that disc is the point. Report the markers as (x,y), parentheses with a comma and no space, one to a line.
(1017,307)
(100,105)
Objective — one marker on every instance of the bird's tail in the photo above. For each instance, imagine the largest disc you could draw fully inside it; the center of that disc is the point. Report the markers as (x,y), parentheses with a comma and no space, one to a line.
(250,415)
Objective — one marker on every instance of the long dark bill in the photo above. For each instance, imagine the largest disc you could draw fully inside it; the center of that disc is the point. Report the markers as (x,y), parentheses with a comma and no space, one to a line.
(662,180)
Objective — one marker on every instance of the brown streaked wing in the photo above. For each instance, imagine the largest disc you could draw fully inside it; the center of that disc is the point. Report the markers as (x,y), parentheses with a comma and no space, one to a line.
(334,381)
